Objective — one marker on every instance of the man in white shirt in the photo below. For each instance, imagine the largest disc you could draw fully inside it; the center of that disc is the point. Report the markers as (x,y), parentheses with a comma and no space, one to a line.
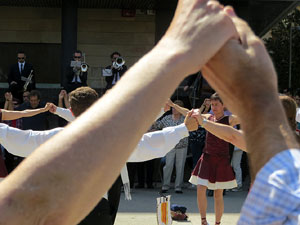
(152,145)
(203,35)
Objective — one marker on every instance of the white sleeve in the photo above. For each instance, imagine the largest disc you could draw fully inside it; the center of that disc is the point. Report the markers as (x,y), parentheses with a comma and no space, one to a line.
(158,143)
(65,114)
(23,142)
(298,115)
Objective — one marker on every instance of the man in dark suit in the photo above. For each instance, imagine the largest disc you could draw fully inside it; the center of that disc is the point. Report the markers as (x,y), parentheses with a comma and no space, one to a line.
(75,77)
(19,74)
(117,71)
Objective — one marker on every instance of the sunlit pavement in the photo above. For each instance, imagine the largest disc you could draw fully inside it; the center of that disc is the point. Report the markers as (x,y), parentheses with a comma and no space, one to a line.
(141,210)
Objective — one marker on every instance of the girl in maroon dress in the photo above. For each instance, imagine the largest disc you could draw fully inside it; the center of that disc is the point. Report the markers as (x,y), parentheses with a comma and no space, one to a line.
(213,170)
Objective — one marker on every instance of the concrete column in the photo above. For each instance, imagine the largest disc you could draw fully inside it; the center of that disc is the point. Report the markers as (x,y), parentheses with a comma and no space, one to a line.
(68,34)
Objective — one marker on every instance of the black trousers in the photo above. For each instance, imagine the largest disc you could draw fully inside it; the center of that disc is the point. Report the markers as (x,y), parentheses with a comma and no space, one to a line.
(106,210)
(149,165)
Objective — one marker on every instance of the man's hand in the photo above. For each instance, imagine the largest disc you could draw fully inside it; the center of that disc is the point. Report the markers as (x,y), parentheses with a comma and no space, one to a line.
(195,113)
(167,107)
(206,103)
(198,26)
(8,96)
(190,122)
(170,103)
(62,94)
(52,108)
(47,107)
(241,71)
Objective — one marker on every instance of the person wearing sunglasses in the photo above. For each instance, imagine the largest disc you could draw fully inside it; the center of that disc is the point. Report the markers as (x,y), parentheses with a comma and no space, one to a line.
(75,77)
(19,74)
(117,67)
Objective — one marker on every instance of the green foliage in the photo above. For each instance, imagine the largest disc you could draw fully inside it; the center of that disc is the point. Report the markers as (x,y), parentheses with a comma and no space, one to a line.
(278,45)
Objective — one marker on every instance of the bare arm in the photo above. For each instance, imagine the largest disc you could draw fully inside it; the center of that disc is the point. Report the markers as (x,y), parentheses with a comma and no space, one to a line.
(180,109)
(60,102)
(63,98)
(222,131)
(44,189)
(9,105)
(13,115)
(228,73)
(66,100)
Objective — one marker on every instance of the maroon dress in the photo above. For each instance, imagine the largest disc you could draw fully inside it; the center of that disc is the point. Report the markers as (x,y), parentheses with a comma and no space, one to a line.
(213,168)
(3,171)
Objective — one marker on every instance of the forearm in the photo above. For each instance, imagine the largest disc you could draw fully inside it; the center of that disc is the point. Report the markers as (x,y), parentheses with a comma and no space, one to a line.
(65,114)
(5,105)
(203,109)
(158,143)
(13,115)
(67,103)
(180,109)
(258,136)
(226,133)
(10,105)
(60,103)
(103,127)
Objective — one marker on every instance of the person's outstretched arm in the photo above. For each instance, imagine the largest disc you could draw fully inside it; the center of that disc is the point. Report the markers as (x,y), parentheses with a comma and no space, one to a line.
(23,142)
(222,131)
(62,112)
(13,115)
(158,143)
(64,179)
(180,109)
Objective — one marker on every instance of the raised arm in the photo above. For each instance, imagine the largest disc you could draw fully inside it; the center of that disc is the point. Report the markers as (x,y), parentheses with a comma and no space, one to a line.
(8,105)
(228,73)
(64,179)
(180,109)
(61,98)
(66,100)
(13,115)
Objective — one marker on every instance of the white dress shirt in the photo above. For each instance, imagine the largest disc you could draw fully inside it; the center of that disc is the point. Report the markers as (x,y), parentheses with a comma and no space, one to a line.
(152,145)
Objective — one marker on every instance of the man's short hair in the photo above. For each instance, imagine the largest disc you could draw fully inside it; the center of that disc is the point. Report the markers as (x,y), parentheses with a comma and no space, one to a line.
(21,52)
(216,97)
(114,53)
(81,99)
(35,93)
(77,51)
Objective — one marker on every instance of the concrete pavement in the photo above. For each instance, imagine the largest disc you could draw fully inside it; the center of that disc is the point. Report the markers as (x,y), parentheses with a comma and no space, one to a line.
(141,210)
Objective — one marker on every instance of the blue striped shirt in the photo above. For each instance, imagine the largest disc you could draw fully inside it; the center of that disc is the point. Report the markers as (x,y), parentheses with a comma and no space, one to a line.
(275,195)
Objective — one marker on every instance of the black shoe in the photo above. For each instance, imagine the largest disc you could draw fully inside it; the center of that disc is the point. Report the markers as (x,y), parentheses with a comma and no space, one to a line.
(210,193)
(164,191)
(224,192)
(178,192)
